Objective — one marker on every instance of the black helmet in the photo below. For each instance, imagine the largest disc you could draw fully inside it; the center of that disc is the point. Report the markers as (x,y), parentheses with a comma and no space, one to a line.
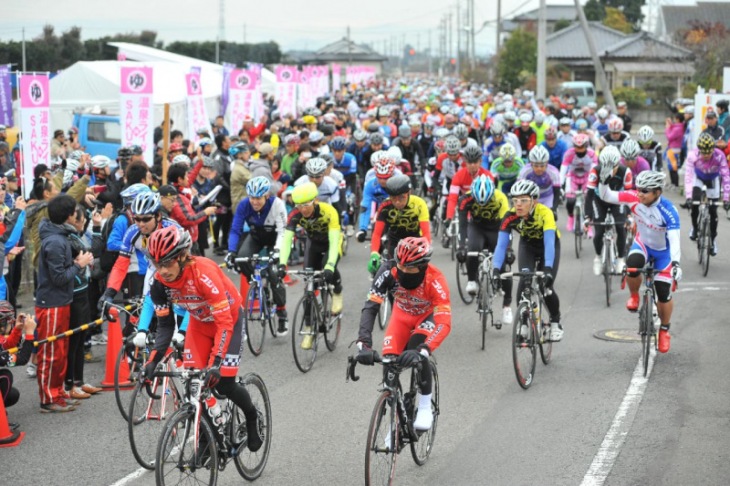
(397,185)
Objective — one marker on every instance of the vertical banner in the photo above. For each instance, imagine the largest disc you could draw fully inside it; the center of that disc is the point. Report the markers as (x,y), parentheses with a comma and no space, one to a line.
(242,94)
(34,125)
(335,77)
(197,114)
(258,95)
(303,98)
(6,97)
(137,110)
(225,91)
(286,89)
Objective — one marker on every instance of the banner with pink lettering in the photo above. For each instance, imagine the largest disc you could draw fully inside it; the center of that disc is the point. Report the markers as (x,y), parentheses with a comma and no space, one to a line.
(197,114)
(241,104)
(137,110)
(335,77)
(304,92)
(258,96)
(34,126)
(286,89)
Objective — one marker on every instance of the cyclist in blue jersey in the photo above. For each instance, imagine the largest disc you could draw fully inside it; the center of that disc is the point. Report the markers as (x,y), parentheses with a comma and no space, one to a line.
(374,192)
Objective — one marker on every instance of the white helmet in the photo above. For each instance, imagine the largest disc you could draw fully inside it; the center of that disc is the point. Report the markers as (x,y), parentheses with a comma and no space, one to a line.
(525,187)
(395,153)
(316,166)
(645,134)
(539,117)
(630,149)
(181,159)
(650,179)
(539,154)
(100,161)
(507,151)
(602,114)
(610,156)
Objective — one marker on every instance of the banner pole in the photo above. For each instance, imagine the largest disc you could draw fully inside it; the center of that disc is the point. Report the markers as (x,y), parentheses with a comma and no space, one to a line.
(165,142)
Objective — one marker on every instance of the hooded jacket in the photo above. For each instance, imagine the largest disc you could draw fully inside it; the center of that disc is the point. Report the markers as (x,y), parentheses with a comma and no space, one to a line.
(56,267)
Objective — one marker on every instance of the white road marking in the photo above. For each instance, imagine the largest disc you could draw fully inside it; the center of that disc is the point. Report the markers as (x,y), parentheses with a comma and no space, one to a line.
(623,420)
(703,289)
(130,477)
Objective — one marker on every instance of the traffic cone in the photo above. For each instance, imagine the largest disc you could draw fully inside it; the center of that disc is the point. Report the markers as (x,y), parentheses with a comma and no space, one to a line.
(113,346)
(8,438)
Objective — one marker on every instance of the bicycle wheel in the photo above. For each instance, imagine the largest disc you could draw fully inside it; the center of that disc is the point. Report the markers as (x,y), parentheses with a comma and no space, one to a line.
(270,311)
(249,464)
(421,449)
(484,303)
(332,324)
(454,243)
(523,347)
(543,339)
(578,229)
(384,312)
(254,319)
(700,237)
(381,449)
(148,417)
(645,327)
(179,459)
(461,280)
(135,360)
(607,257)
(706,244)
(304,333)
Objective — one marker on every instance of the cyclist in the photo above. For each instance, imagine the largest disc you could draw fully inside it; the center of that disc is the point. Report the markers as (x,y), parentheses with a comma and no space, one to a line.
(525,134)
(344,162)
(401,215)
(630,151)
(487,207)
(706,166)
(651,150)
(500,136)
(374,193)
(616,134)
(574,172)
(556,148)
(566,132)
(545,176)
(264,216)
(214,337)
(421,317)
(596,209)
(507,167)
(449,162)
(657,239)
(461,183)
(539,246)
(328,189)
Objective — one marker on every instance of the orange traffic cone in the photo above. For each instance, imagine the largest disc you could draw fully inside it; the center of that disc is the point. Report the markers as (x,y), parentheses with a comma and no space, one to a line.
(8,438)
(113,347)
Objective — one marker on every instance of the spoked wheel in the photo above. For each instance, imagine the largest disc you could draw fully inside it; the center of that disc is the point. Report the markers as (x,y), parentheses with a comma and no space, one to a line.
(272,318)
(250,464)
(180,460)
(646,329)
(484,301)
(578,230)
(332,323)
(461,280)
(382,444)
(454,243)
(135,359)
(421,449)
(384,312)
(304,334)
(148,417)
(523,347)
(607,271)
(546,345)
(707,244)
(254,320)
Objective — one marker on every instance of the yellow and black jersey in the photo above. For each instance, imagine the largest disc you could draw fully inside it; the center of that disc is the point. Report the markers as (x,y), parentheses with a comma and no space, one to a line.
(487,216)
(531,229)
(401,223)
(323,219)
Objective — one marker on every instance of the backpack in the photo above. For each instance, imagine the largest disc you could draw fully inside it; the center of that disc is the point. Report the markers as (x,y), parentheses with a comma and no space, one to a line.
(107,258)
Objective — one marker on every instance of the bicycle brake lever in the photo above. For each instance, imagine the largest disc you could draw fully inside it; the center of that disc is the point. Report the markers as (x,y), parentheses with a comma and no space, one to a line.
(147,385)
(351,363)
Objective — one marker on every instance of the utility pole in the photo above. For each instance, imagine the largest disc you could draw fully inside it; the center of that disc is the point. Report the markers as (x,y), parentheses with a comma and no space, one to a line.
(349,47)
(23,49)
(600,73)
(541,35)
(473,38)
(458,38)
(430,55)
(499,24)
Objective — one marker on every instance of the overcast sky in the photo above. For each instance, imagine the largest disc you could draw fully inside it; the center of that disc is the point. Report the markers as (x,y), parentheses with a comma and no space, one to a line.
(293,24)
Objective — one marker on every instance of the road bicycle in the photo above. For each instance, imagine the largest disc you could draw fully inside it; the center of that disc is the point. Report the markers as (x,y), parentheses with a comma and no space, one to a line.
(386,305)
(313,318)
(453,234)
(704,237)
(258,309)
(609,254)
(486,294)
(578,214)
(194,446)
(130,359)
(391,424)
(530,331)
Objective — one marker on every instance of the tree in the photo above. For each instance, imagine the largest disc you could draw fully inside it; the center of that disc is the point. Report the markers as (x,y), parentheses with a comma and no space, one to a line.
(562,24)
(630,8)
(710,44)
(616,20)
(517,59)
(594,11)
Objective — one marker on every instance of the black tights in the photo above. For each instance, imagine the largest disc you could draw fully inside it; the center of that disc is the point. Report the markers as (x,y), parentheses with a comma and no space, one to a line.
(229,388)
(712,205)
(425,376)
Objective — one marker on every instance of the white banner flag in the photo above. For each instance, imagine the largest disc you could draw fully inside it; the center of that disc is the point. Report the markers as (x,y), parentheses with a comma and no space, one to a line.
(137,110)
(34,126)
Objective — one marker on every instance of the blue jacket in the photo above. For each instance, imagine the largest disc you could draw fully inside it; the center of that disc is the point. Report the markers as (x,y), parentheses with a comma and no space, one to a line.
(373,192)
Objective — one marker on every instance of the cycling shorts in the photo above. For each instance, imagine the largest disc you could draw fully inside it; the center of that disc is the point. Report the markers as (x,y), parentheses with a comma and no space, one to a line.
(662,260)
(199,342)
(402,326)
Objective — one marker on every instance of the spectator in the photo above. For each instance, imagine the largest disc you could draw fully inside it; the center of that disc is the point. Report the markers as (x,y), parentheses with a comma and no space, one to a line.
(181,177)
(58,145)
(157,135)
(219,127)
(22,329)
(240,174)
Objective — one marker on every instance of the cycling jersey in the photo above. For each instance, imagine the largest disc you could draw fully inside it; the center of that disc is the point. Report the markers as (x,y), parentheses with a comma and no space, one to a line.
(322,226)
(640,166)
(608,140)
(567,138)
(653,155)
(488,216)
(266,225)
(370,175)
(412,220)
(527,138)
(441,160)
(329,189)
(148,311)
(462,183)
(347,165)
(539,131)
(576,165)
(698,170)
(506,175)
(557,152)
(548,183)
(372,192)
(490,151)
(537,231)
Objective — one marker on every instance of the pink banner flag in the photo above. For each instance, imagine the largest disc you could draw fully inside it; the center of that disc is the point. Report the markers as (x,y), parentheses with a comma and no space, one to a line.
(197,113)
(336,69)
(34,125)
(242,89)
(137,110)
(286,89)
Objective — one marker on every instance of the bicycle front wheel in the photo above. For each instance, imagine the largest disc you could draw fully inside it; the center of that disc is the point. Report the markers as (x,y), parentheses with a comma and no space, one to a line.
(706,245)
(646,329)
(421,449)
(180,459)
(254,319)
(133,361)
(523,346)
(578,229)
(250,464)
(461,280)
(304,333)
(543,339)
(331,324)
(382,445)
(607,256)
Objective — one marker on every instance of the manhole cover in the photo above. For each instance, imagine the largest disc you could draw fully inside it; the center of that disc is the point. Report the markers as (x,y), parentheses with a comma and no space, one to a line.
(618,335)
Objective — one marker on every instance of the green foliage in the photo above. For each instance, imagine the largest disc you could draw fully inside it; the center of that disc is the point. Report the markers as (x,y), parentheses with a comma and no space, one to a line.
(634,97)
(630,8)
(594,11)
(517,60)
(710,44)
(617,21)
(562,24)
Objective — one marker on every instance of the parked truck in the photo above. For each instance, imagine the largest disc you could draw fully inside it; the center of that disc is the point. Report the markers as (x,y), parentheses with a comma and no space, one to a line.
(99,134)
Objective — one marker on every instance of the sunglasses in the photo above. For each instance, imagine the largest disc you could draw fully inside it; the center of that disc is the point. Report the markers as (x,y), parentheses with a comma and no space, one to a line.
(143,219)
(316,177)
(522,200)
(645,191)
(305,205)
(167,264)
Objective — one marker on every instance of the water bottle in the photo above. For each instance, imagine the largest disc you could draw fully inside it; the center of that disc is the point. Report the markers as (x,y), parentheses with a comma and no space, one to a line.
(215,411)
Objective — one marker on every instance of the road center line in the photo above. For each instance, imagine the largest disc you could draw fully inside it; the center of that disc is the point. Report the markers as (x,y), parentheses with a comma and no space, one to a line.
(623,420)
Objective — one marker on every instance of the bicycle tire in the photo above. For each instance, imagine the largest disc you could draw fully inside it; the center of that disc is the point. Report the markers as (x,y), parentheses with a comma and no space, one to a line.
(176,445)
(607,258)
(700,237)
(380,457)
(523,350)
(544,342)
(421,449)
(254,320)
(454,244)
(646,324)
(384,312)
(250,465)
(303,327)
(578,229)
(332,324)
(123,394)
(273,325)
(707,244)
(147,417)
(461,280)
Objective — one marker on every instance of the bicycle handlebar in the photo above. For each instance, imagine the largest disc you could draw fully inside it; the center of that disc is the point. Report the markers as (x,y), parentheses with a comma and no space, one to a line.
(507,275)
(255,259)
(307,272)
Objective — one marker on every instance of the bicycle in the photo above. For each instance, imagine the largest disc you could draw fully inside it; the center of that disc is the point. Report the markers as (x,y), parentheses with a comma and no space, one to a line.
(391,424)
(193,442)
(487,292)
(313,317)
(453,234)
(704,237)
(133,357)
(630,226)
(386,306)
(609,253)
(258,310)
(578,215)
(530,330)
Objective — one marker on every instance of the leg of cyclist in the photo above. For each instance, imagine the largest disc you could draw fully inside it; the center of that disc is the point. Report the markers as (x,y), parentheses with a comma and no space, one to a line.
(695,211)
(619,216)
(636,259)
(491,238)
(599,212)
(552,301)
(279,296)
(477,242)
(248,248)
(570,201)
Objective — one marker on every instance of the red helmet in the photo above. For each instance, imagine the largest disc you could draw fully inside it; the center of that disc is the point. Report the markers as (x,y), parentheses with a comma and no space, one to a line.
(440,146)
(580,140)
(167,243)
(384,168)
(413,252)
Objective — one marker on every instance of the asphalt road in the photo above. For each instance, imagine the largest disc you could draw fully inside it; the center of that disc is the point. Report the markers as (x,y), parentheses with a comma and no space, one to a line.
(670,429)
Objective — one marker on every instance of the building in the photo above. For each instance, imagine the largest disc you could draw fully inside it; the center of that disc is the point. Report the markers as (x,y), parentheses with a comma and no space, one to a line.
(344,53)
(678,17)
(528,20)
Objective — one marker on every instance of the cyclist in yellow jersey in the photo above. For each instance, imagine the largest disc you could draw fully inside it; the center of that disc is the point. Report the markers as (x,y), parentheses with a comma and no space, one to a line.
(539,240)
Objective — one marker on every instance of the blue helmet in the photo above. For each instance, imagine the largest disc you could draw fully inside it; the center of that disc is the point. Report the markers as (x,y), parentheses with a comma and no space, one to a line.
(130,193)
(258,186)
(482,189)
(339,143)
(238,147)
(146,203)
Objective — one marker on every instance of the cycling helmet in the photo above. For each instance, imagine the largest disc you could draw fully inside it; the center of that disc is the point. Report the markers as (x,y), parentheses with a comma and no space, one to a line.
(398,184)
(175,147)
(525,119)
(384,168)
(615,125)
(650,179)
(329,158)
(72,164)
(376,138)
(539,154)
(439,146)
(564,121)
(258,186)
(360,135)
(100,161)
(705,143)
(645,134)
(581,140)
(204,142)
(539,117)
(130,193)
(292,139)
(551,132)
(442,133)
(507,151)
(339,143)
(452,145)
(510,116)
(602,114)
(395,153)
(146,203)
(525,187)
(316,136)
(304,193)
(576,113)
(482,189)
(181,159)
(404,131)
(374,127)
(237,148)
(7,313)
(610,156)
(316,166)
(581,124)
(124,153)
(165,244)
(77,154)
(413,252)
(630,149)
(472,153)
(461,132)
(497,128)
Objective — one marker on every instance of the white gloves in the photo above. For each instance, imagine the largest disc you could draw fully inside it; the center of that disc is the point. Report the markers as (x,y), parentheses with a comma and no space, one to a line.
(178,338)
(140,339)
